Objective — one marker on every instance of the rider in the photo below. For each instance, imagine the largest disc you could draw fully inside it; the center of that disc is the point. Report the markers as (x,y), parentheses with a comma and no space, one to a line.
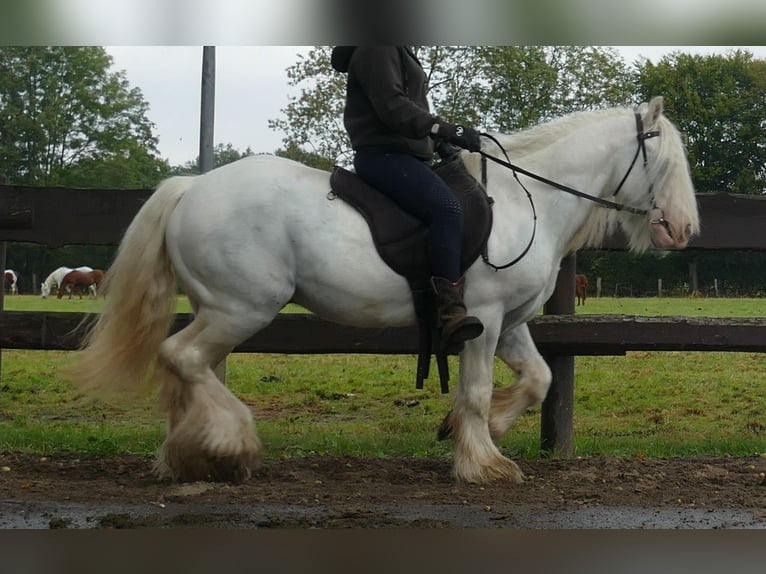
(392,133)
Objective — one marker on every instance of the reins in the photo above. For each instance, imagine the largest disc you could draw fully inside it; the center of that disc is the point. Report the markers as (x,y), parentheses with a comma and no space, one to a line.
(641,136)
(485,249)
(600,200)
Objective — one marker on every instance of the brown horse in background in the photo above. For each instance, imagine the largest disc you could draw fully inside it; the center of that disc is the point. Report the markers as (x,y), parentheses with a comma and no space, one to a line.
(82,280)
(581,283)
(10,279)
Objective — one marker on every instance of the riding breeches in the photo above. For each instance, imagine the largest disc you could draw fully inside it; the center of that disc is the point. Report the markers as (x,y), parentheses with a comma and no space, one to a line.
(418,190)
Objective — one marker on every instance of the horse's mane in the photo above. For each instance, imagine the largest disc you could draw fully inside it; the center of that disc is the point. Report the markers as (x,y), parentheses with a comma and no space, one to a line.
(602,222)
(540,136)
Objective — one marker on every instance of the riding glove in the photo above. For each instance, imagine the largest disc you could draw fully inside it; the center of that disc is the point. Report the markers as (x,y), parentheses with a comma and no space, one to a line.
(462,136)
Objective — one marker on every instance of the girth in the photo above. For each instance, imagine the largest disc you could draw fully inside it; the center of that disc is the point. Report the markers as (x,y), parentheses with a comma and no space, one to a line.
(400,240)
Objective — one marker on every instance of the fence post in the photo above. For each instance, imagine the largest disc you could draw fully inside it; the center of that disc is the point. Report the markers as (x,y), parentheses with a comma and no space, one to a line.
(4,181)
(693,281)
(2,298)
(556,416)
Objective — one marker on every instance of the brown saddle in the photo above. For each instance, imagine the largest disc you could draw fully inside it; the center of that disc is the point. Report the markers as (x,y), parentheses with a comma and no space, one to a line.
(400,239)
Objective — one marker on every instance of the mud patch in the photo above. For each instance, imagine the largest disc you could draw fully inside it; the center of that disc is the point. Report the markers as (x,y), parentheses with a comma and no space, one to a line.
(67,491)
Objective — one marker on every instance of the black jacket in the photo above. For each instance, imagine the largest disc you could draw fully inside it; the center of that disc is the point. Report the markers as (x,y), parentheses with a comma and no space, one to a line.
(386,103)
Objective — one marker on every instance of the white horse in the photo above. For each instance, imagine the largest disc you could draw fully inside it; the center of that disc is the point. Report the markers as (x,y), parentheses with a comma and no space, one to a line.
(55,278)
(269,221)
(11,278)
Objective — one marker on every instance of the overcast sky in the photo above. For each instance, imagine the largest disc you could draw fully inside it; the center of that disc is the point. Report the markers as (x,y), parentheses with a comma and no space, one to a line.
(251,88)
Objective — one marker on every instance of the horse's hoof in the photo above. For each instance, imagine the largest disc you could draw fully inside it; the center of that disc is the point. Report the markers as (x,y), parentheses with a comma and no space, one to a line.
(515,475)
(232,468)
(502,470)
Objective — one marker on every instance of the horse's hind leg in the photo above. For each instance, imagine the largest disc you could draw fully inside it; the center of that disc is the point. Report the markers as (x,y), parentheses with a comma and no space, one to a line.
(211,434)
(517,350)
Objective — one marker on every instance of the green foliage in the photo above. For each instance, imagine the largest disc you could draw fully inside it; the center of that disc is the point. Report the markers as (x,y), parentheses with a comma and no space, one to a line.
(515,87)
(307,158)
(738,273)
(314,120)
(135,167)
(65,119)
(718,102)
(222,154)
(500,88)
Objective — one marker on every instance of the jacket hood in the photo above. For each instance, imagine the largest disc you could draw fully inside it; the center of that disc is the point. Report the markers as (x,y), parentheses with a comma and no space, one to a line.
(341,57)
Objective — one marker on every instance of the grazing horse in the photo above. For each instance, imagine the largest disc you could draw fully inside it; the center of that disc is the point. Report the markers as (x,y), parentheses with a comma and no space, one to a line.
(269,221)
(82,280)
(98,276)
(581,284)
(53,281)
(11,279)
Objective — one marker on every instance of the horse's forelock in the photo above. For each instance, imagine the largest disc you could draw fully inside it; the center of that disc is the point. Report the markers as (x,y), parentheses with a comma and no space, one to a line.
(671,177)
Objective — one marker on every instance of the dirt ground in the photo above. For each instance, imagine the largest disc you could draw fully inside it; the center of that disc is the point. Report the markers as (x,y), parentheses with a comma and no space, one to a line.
(329,492)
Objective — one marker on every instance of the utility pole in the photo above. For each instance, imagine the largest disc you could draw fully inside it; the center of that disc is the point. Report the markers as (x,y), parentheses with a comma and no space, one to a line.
(206,125)
(207,110)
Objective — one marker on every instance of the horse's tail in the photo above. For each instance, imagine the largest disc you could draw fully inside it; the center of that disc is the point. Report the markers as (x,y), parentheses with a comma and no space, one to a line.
(118,348)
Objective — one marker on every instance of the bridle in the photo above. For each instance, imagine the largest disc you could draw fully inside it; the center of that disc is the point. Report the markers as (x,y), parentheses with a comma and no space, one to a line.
(641,137)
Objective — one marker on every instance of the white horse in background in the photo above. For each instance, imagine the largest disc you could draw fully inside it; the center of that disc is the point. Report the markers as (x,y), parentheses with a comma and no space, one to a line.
(55,278)
(269,222)
(11,278)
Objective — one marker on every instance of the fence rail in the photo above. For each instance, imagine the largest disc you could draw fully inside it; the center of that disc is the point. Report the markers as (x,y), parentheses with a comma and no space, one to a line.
(298,333)
(56,217)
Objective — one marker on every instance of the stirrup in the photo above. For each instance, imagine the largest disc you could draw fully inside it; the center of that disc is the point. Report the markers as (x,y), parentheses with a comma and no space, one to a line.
(467,328)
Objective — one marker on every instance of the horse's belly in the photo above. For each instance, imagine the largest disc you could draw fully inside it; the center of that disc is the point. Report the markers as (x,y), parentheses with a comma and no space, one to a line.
(363,307)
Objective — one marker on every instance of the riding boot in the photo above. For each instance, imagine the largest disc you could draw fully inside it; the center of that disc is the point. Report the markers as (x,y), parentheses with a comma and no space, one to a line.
(456,325)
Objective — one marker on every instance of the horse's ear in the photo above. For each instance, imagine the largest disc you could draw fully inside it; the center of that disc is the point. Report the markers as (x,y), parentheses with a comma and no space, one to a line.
(653,112)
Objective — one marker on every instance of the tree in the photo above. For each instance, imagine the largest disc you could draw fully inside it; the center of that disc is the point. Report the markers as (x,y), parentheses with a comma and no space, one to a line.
(222,154)
(719,102)
(314,120)
(502,88)
(306,157)
(515,87)
(134,168)
(65,119)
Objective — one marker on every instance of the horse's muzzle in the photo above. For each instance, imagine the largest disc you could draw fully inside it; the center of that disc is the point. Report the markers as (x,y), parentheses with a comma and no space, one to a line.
(664,234)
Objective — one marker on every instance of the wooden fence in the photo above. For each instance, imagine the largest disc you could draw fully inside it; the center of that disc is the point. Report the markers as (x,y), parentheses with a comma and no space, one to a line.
(56,216)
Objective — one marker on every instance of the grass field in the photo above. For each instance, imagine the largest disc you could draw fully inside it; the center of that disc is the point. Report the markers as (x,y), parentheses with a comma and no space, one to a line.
(643,404)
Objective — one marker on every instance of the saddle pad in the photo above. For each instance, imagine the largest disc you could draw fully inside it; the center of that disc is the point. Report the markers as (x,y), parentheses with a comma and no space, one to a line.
(399,237)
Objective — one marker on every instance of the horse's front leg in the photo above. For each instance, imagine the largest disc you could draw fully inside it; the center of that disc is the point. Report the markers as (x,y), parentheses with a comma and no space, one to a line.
(476,458)
(517,350)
